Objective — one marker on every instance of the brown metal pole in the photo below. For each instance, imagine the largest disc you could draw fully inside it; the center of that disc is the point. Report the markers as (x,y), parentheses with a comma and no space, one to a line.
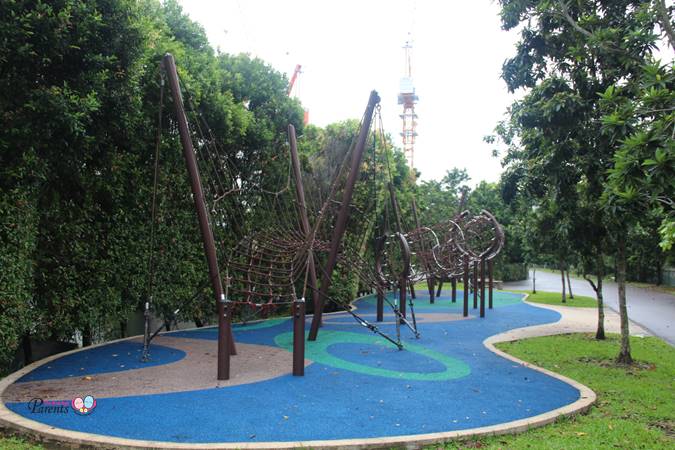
(380,303)
(466,286)
(225,338)
(431,282)
(482,287)
(402,292)
(475,284)
(299,338)
(304,219)
(343,214)
(491,277)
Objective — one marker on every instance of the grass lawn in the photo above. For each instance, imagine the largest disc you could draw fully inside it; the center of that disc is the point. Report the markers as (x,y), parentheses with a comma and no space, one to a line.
(14,443)
(422,286)
(549,298)
(638,284)
(554,298)
(635,407)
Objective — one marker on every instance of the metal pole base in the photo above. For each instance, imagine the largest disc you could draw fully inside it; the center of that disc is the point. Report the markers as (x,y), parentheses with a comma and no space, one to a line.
(299,338)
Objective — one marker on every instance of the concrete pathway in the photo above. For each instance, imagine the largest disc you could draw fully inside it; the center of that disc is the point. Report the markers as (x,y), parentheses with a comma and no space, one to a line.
(651,309)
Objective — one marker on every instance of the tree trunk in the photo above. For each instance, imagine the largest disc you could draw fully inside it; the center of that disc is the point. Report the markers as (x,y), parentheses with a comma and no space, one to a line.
(534,280)
(600,332)
(87,336)
(27,349)
(569,285)
(123,329)
(659,272)
(624,355)
(167,325)
(198,323)
(562,277)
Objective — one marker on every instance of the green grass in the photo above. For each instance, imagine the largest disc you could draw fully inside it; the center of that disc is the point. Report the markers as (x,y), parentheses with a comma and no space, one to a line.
(635,408)
(15,443)
(555,298)
(422,286)
(549,298)
(661,288)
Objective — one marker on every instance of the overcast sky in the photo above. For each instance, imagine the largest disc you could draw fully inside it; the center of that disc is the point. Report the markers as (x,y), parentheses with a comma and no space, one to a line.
(347,48)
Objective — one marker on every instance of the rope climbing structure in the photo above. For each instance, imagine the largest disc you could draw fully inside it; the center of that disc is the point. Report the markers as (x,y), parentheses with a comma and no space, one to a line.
(274,236)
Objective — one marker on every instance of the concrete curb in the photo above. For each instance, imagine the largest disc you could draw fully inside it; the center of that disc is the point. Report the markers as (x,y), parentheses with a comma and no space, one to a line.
(48,434)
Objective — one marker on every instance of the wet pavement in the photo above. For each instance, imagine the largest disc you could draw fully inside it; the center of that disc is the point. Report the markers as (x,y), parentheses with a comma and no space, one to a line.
(653,310)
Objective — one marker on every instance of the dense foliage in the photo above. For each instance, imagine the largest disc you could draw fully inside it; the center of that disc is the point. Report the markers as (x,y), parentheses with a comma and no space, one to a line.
(79,98)
(590,145)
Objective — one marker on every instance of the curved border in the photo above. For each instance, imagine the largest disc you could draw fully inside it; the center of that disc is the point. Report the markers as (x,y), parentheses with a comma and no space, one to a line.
(46,433)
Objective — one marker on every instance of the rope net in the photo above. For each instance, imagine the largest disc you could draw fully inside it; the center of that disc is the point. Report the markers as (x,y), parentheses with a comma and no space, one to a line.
(267,259)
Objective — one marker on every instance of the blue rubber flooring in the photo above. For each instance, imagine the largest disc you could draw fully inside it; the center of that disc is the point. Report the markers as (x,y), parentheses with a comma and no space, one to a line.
(358,386)
(113,357)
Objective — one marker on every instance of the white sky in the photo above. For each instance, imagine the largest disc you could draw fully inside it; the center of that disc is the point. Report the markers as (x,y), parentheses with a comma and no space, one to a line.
(348,48)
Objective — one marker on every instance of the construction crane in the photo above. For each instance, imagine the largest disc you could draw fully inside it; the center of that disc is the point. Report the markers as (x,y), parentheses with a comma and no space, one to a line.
(291,85)
(294,78)
(408,99)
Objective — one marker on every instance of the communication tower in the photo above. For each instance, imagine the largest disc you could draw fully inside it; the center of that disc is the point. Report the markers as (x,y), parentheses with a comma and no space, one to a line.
(408,99)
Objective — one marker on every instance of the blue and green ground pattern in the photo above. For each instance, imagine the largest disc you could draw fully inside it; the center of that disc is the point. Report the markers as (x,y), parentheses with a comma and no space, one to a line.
(357,386)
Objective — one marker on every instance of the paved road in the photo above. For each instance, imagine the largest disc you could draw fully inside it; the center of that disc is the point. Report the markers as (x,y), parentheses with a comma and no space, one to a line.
(653,310)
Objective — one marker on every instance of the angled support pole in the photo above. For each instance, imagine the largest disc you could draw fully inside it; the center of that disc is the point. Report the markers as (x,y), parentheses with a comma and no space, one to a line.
(343,214)
(304,218)
(225,337)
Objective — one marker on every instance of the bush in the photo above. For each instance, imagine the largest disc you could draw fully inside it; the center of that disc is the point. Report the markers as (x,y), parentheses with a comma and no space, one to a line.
(17,245)
(510,271)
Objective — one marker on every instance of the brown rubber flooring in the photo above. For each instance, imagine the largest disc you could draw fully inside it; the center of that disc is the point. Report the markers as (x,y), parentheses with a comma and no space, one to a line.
(195,371)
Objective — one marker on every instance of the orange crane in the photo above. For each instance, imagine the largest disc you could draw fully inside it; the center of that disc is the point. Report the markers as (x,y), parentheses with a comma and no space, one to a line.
(294,77)
(291,84)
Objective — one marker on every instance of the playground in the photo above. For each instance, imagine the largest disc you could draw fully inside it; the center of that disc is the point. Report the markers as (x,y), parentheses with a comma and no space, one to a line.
(358,389)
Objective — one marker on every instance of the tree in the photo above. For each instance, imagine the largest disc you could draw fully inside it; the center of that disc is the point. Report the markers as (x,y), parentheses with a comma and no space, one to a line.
(440,200)
(568,52)
(641,123)
(67,100)
(79,96)
(639,118)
